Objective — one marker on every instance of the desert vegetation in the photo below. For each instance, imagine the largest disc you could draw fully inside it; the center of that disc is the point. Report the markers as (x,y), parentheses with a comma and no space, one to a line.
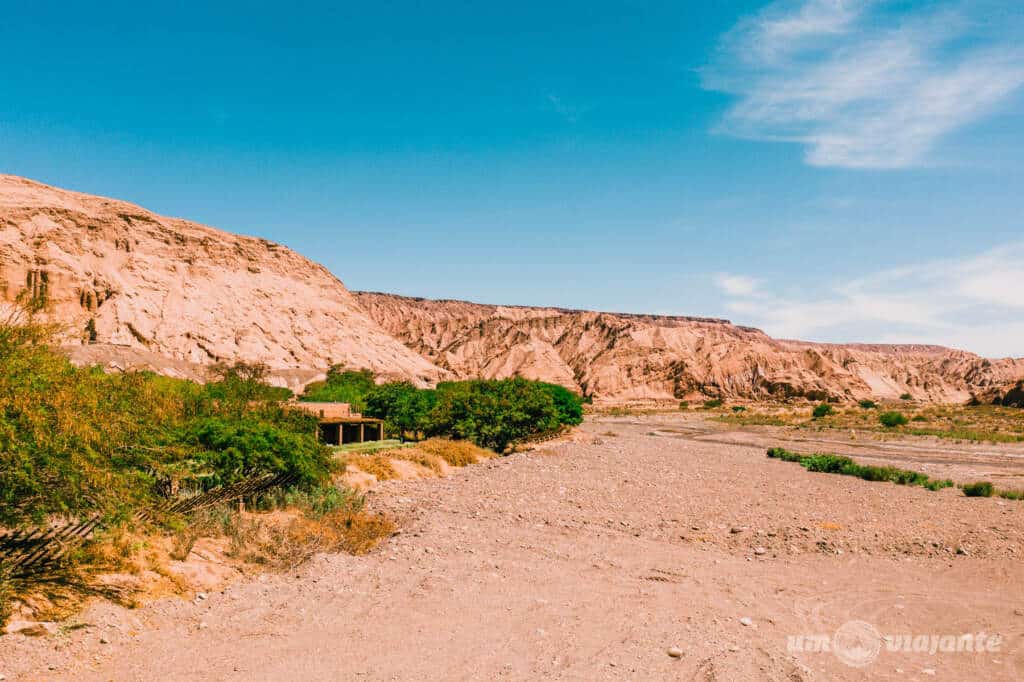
(489,413)
(837,464)
(981,423)
(79,443)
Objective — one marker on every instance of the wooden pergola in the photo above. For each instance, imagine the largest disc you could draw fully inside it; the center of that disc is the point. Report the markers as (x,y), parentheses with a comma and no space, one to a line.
(337,424)
(345,430)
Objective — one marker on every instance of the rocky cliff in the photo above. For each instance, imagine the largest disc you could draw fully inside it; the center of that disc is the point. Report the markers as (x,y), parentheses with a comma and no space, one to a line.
(139,285)
(619,357)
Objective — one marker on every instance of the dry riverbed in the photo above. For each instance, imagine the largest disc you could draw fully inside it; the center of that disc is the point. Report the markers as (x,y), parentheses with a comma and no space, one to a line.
(592,559)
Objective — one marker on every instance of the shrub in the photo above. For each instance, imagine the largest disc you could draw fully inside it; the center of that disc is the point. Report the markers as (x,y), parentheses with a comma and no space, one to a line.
(492,413)
(934,485)
(784,455)
(738,408)
(892,419)
(238,449)
(822,410)
(906,396)
(713,403)
(979,489)
(868,404)
(919,418)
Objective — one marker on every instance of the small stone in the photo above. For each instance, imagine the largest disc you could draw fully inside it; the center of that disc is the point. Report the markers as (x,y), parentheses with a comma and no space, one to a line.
(675,652)
(961,551)
(203,625)
(736,529)
(928,671)
(746,621)
(734,648)
(201,596)
(104,640)
(759,551)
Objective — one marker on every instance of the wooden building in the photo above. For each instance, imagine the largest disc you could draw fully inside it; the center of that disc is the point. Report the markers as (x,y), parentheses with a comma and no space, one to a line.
(339,425)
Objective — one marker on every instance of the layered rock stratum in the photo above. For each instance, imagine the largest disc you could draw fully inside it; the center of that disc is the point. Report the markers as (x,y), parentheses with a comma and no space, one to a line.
(135,289)
(626,357)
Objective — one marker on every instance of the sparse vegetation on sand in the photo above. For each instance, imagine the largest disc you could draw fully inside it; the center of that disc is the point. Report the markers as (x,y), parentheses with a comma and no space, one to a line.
(837,464)
(981,423)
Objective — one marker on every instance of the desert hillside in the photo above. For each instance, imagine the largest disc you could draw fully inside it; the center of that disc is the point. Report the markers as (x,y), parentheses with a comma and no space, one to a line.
(138,284)
(619,357)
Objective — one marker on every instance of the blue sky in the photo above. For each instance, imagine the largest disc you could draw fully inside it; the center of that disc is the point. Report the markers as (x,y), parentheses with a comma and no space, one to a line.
(837,170)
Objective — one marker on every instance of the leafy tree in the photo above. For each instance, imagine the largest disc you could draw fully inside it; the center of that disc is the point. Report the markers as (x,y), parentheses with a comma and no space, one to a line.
(868,404)
(403,407)
(342,386)
(568,404)
(235,449)
(492,413)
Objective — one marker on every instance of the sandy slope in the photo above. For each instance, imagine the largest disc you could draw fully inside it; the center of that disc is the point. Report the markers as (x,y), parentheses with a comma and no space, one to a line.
(587,561)
(180,290)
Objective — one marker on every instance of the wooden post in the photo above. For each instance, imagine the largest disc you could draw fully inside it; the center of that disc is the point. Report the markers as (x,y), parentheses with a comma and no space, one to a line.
(362,432)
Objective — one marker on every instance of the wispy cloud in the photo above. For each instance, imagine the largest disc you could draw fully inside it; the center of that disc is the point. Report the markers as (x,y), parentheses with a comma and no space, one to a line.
(736,285)
(976,304)
(862,83)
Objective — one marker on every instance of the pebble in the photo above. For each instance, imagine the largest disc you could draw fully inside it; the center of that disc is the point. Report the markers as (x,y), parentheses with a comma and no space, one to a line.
(747,621)
(104,640)
(760,551)
(201,596)
(928,671)
(675,652)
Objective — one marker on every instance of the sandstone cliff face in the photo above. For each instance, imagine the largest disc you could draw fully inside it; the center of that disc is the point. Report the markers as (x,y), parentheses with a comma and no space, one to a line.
(131,280)
(617,357)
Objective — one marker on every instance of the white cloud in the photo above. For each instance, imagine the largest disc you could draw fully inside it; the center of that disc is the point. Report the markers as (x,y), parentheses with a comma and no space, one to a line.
(859,83)
(975,303)
(736,285)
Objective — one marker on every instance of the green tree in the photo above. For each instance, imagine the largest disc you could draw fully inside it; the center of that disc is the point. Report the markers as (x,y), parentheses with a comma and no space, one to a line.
(404,408)
(492,413)
(568,404)
(342,386)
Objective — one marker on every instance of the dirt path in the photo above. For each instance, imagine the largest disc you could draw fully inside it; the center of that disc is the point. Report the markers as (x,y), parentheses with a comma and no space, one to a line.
(588,561)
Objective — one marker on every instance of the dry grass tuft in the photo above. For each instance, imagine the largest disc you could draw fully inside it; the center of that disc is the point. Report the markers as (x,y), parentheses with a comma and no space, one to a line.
(417,456)
(457,453)
(285,543)
(375,465)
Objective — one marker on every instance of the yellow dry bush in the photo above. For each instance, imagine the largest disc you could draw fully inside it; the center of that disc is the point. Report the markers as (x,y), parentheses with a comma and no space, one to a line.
(285,545)
(376,465)
(458,453)
(417,456)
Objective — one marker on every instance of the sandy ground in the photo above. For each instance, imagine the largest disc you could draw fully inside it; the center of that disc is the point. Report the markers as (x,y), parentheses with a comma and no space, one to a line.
(588,561)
